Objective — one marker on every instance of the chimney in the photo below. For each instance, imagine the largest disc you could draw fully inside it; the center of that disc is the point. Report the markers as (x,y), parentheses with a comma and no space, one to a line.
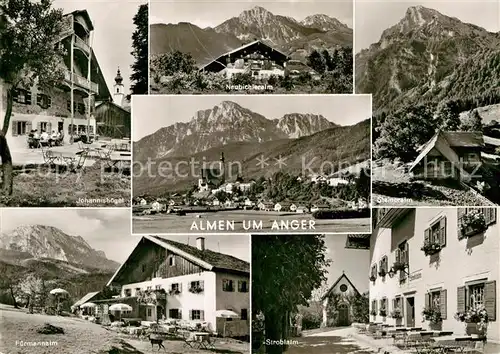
(200,243)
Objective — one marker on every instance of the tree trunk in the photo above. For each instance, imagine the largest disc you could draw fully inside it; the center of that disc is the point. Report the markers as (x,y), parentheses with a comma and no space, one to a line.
(13,297)
(274,330)
(286,329)
(7,180)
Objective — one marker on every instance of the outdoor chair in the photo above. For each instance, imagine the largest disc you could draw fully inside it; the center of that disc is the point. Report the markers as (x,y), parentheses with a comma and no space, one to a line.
(211,340)
(49,158)
(75,163)
(190,341)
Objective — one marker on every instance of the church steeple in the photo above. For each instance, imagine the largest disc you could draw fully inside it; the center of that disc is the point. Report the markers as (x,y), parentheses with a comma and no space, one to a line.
(118,88)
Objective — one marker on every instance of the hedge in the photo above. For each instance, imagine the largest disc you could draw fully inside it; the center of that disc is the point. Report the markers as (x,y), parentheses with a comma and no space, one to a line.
(341,214)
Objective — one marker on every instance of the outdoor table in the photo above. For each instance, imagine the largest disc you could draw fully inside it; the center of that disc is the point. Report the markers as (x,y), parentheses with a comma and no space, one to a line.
(202,338)
(455,342)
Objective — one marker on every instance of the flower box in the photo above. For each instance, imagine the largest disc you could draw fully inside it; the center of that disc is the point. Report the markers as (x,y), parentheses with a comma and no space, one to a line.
(372,278)
(396,314)
(475,319)
(382,312)
(373,313)
(479,329)
(196,289)
(399,266)
(432,315)
(473,223)
(382,272)
(174,291)
(431,248)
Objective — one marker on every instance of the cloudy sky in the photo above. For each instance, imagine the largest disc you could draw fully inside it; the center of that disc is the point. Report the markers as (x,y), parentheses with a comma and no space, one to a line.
(372,17)
(105,230)
(210,13)
(113,28)
(161,111)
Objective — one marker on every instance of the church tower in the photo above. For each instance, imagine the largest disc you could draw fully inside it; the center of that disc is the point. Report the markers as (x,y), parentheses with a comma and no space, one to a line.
(118,89)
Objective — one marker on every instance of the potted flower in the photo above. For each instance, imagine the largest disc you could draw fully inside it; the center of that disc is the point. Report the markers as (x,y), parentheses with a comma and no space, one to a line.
(174,291)
(373,313)
(382,272)
(430,248)
(396,313)
(195,289)
(372,277)
(382,312)
(475,319)
(432,315)
(399,266)
(472,223)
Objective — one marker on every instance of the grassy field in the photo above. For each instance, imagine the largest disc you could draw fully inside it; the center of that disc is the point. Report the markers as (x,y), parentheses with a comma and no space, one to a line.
(82,337)
(246,221)
(91,187)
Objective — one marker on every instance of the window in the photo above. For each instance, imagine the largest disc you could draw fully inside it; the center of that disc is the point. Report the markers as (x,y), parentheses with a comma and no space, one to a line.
(175,288)
(475,295)
(128,292)
(137,290)
(196,315)
(44,126)
(373,272)
(20,127)
(157,287)
(490,217)
(242,286)
(480,293)
(175,314)
(171,261)
(43,100)
(244,314)
(149,288)
(436,234)
(81,108)
(150,312)
(117,90)
(402,257)
(227,285)
(22,96)
(343,288)
(383,266)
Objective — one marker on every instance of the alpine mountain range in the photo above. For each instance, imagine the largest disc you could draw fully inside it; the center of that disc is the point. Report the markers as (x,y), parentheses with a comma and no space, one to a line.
(295,38)
(244,136)
(428,56)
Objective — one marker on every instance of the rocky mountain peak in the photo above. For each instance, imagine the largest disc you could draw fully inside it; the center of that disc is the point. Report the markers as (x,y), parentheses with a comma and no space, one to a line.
(256,15)
(323,22)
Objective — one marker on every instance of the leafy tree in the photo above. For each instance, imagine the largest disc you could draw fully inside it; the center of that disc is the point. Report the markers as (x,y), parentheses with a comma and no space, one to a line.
(222,196)
(273,80)
(329,60)
(29,55)
(473,122)
(448,116)
(31,290)
(316,61)
(363,184)
(285,271)
(168,64)
(404,131)
(139,75)
(287,83)
(242,79)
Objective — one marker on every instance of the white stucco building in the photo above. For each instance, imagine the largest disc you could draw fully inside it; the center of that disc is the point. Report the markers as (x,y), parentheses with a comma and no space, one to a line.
(198,282)
(460,271)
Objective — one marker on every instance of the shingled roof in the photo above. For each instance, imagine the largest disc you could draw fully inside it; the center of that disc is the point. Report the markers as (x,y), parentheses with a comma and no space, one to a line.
(219,261)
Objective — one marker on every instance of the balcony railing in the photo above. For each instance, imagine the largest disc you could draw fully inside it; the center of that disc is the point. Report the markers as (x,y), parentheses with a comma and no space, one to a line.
(80,43)
(82,82)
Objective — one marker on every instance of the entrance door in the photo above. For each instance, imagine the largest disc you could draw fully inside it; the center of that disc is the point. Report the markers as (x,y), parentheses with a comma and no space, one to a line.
(150,313)
(60,126)
(343,315)
(410,312)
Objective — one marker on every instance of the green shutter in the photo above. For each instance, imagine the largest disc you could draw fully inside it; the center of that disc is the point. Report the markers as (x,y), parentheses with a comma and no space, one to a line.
(461,299)
(490,291)
(442,302)
(442,232)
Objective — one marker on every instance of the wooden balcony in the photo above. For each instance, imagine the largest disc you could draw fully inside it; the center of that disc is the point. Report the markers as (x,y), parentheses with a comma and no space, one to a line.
(358,241)
(81,82)
(81,44)
(388,217)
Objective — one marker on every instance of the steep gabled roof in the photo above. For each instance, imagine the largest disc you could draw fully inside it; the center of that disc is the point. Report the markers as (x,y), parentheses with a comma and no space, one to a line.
(86,17)
(110,103)
(343,276)
(442,142)
(206,259)
(85,299)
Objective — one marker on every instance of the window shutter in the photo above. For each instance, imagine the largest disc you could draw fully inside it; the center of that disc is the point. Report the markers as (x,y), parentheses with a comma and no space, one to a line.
(14,128)
(202,284)
(39,99)
(460,213)
(39,127)
(68,105)
(180,287)
(461,299)
(442,304)
(427,236)
(398,255)
(190,314)
(28,126)
(49,127)
(15,95)
(202,315)
(427,300)
(394,304)
(49,101)
(27,97)
(240,286)
(490,299)
(180,314)
(442,232)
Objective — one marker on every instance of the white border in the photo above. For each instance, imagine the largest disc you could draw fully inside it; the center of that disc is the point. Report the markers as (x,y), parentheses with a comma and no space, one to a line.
(260,232)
